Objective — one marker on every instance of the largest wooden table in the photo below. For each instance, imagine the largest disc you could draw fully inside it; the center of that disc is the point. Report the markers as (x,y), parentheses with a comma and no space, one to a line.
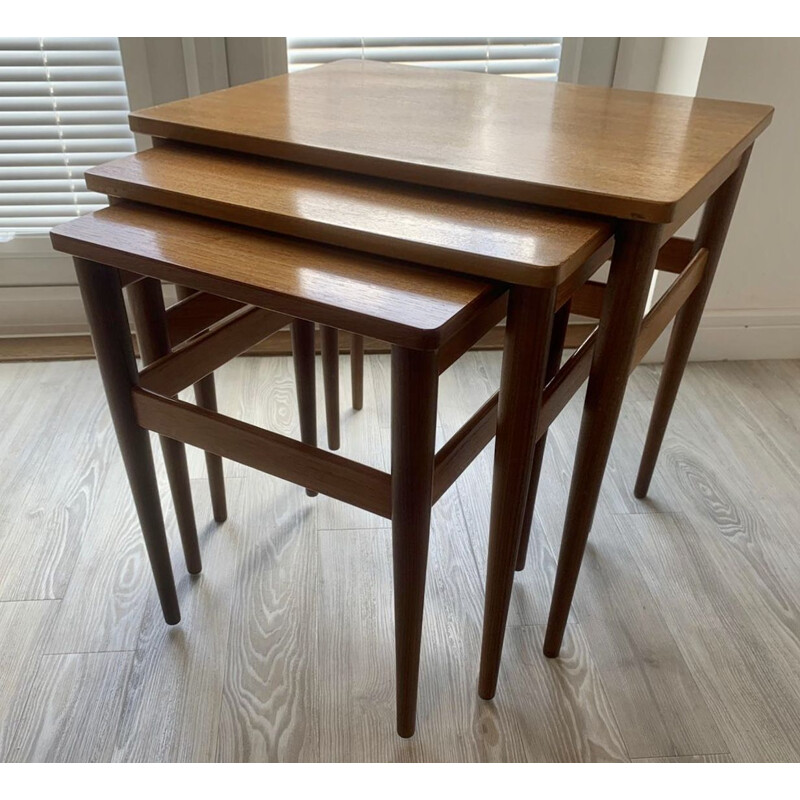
(648,161)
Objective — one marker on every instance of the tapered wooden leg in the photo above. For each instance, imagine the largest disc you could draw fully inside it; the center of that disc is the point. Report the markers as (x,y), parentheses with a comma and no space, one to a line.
(105,310)
(205,395)
(330,380)
(528,325)
(553,363)
(147,304)
(631,272)
(712,234)
(305,381)
(357,370)
(414,389)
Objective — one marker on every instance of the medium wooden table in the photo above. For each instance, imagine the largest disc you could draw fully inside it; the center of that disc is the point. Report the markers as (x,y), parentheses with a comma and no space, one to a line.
(648,161)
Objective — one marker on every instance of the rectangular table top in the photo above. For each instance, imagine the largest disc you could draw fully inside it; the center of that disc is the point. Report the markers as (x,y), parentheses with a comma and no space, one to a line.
(632,155)
(390,300)
(501,240)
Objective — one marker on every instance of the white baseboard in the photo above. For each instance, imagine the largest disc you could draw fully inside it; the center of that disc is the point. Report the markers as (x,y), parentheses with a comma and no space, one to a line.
(740,335)
(723,335)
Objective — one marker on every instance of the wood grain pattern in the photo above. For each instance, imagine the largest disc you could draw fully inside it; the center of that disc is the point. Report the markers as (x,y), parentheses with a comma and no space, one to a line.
(73,708)
(640,660)
(270,682)
(51,510)
(558,144)
(696,585)
(497,239)
(573,705)
(751,705)
(102,607)
(24,628)
(172,702)
(718,758)
(387,299)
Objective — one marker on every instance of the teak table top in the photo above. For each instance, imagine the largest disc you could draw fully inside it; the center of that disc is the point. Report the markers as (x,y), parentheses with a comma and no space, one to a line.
(390,300)
(633,155)
(501,240)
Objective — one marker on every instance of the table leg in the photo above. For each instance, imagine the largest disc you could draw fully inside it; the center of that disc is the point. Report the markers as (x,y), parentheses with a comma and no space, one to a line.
(330,381)
(528,326)
(357,370)
(105,309)
(713,230)
(205,395)
(553,363)
(305,379)
(632,265)
(415,378)
(147,304)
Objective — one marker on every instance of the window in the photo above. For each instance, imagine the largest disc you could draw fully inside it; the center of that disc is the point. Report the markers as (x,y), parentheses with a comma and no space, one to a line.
(534,58)
(63,108)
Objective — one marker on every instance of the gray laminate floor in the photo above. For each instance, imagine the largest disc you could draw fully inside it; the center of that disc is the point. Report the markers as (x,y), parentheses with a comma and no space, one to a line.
(684,642)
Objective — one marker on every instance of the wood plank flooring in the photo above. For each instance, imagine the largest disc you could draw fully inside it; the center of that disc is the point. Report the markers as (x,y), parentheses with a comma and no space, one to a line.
(683,645)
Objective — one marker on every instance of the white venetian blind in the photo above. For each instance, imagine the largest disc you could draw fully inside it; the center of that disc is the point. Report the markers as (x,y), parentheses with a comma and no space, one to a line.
(63,108)
(535,58)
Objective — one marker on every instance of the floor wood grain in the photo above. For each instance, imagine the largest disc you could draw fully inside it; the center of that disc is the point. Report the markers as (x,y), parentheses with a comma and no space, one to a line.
(683,645)
(73,708)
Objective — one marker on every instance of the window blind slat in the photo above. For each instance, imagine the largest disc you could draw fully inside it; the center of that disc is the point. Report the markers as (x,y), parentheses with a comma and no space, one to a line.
(533,57)
(63,109)
(43,185)
(16,200)
(76,74)
(88,158)
(26,118)
(45,88)
(27,133)
(44,172)
(55,58)
(73,43)
(75,103)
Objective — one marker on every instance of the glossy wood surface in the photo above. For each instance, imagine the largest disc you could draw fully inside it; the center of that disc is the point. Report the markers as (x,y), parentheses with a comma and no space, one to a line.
(200,356)
(528,329)
(467,233)
(305,377)
(632,267)
(101,290)
(627,154)
(205,395)
(146,301)
(711,236)
(415,389)
(330,380)
(387,299)
(342,478)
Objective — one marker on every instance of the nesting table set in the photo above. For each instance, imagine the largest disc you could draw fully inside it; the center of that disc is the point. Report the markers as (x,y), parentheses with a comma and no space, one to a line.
(419,207)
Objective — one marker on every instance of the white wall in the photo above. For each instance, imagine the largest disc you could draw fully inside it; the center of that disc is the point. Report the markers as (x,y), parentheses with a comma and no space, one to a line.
(754,307)
(758,280)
